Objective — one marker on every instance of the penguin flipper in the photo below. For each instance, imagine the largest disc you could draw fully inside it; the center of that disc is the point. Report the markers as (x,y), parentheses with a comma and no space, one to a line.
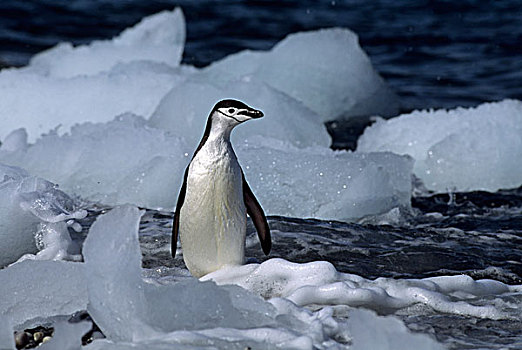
(258,217)
(175,223)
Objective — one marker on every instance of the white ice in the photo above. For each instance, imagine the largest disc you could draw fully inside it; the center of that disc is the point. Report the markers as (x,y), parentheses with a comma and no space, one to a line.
(34,218)
(134,160)
(122,161)
(6,334)
(158,38)
(461,149)
(320,183)
(40,289)
(326,70)
(100,162)
(201,314)
(66,85)
(66,336)
(184,111)
(286,160)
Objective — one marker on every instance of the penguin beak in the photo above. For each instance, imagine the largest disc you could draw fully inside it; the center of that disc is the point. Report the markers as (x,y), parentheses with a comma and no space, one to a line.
(254,113)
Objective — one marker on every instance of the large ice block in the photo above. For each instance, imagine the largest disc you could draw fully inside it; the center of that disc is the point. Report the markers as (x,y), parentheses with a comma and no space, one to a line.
(326,70)
(185,109)
(40,289)
(34,217)
(462,149)
(158,38)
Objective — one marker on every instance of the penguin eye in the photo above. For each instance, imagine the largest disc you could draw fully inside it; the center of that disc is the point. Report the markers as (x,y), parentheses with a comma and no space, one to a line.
(231,110)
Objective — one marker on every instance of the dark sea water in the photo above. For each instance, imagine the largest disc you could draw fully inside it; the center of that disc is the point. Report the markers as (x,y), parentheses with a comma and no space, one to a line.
(434,54)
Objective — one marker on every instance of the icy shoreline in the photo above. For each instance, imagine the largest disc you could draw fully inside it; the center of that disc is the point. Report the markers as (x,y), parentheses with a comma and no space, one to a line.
(112,273)
(116,121)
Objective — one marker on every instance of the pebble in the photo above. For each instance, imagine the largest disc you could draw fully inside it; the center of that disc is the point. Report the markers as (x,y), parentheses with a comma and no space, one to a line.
(38,336)
(46,339)
(22,339)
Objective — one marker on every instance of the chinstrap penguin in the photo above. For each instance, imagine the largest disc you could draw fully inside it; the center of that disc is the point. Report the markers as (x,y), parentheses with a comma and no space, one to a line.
(213,202)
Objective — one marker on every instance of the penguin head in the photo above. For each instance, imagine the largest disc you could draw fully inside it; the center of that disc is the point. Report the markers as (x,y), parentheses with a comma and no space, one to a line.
(234,112)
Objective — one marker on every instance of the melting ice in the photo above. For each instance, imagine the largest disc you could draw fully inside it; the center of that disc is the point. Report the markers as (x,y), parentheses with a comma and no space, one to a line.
(35,217)
(462,149)
(116,122)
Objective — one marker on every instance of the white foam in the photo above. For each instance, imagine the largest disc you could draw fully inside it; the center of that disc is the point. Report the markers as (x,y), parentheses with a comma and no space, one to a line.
(462,149)
(321,183)
(319,283)
(326,70)
(367,328)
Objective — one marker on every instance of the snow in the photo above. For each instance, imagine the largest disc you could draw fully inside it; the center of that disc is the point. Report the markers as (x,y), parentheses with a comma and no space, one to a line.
(463,149)
(319,283)
(34,215)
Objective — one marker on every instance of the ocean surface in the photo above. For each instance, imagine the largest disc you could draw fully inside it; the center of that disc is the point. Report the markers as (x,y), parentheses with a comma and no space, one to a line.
(434,54)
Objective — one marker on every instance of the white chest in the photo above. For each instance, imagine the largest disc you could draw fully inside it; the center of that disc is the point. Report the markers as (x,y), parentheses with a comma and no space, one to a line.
(213,216)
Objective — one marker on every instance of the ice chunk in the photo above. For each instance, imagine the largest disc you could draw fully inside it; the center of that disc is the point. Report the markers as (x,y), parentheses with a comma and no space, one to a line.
(462,149)
(16,140)
(66,336)
(112,257)
(113,270)
(6,334)
(190,312)
(41,103)
(159,38)
(66,85)
(17,227)
(42,289)
(33,217)
(385,333)
(122,161)
(321,183)
(125,161)
(325,69)
(318,283)
(184,111)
